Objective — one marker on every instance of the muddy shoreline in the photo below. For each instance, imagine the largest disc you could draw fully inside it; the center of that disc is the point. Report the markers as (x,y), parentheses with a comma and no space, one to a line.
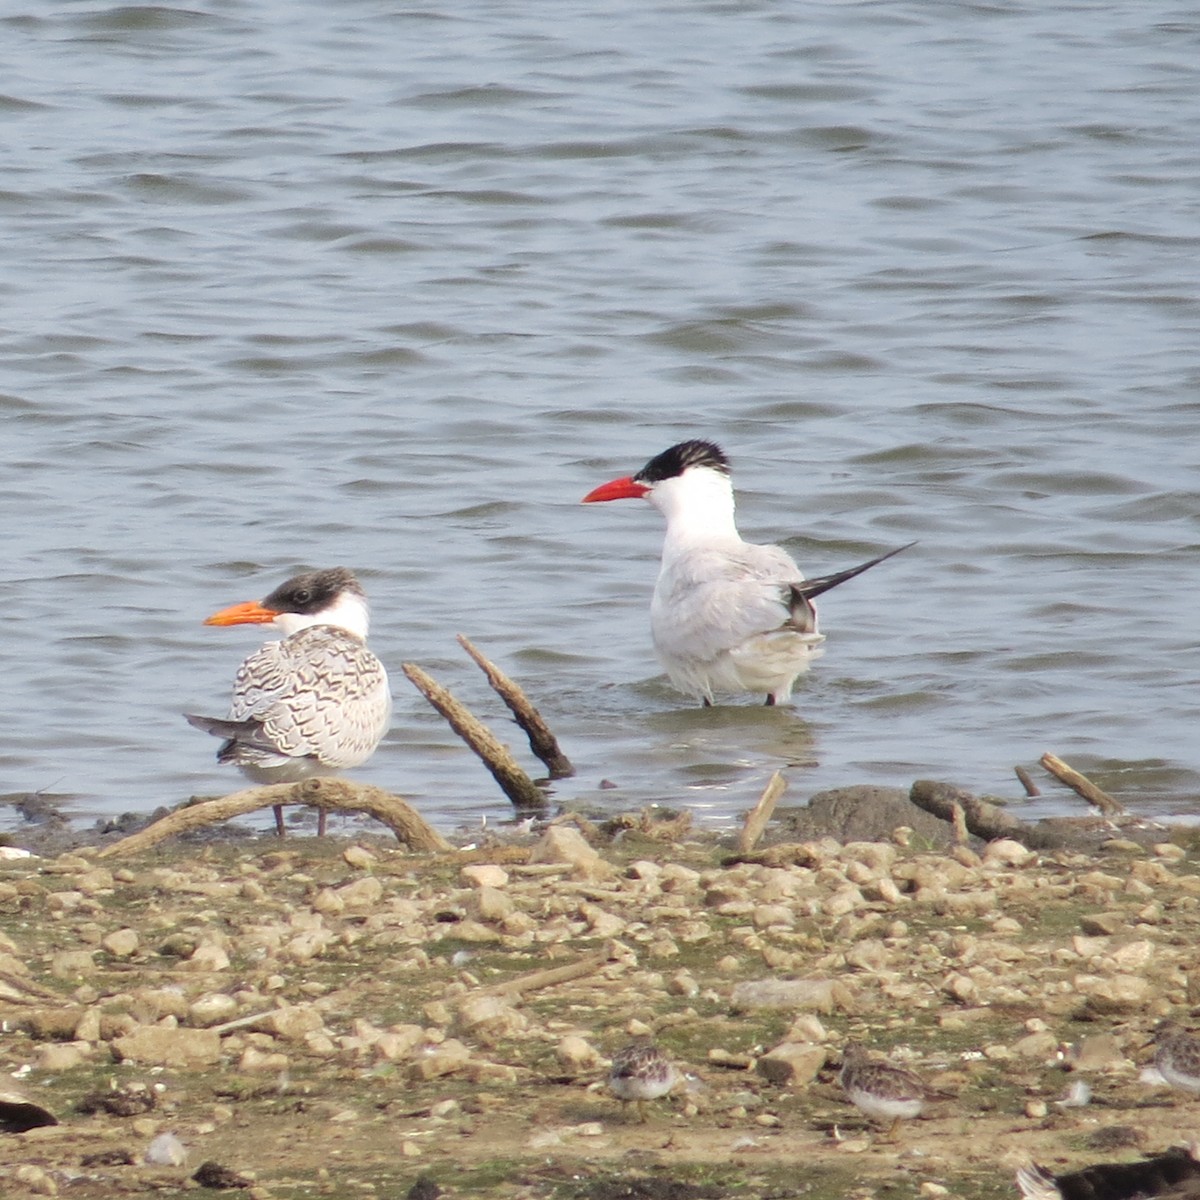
(341,1017)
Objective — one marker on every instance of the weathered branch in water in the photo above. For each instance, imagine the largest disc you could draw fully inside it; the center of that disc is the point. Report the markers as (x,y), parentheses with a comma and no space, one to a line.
(541,741)
(410,828)
(1031,788)
(516,785)
(1082,785)
(760,814)
(982,819)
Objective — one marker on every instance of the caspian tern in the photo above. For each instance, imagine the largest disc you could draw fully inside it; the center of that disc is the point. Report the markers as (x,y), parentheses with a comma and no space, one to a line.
(314,703)
(727,615)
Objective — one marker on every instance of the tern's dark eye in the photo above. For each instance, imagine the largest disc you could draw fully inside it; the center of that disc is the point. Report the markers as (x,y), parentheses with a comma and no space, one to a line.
(302,595)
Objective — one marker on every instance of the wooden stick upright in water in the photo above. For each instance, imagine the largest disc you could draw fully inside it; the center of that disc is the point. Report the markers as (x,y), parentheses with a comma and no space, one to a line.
(1081,784)
(517,786)
(760,814)
(541,741)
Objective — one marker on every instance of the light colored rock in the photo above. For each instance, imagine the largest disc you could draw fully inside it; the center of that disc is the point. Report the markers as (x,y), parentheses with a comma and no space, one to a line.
(292,1023)
(1005,852)
(152,1004)
(121,943)
(1114,993)
(683,984)
(361,895)
(34,1180)
(563,844)
(308,945)
(961,988)
(868,955)
(359,857)
(1103,924)
(791,1064)
(1096,1052)
(483,875)
(73,964)
(491,904)
(97,881)
(1036,1045)
(1133,956)
(212,1009)
(819,995)
(447,1059)
(877,856)
(767,915)
(845,900)
(489,1019)
(1169,852)
(807,1027)
(254,1059)
(577,1056)
(208,956)
(398,1042)
(62,1056)
(88,1027)
(884,889)
(157,1045)
(328,903)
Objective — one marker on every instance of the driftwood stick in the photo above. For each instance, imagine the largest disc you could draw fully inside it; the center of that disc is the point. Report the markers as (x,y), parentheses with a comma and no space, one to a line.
(550,976)
(1082,784)
(760,814)
(541,741)
(982,819)
(1031,788)
(958,819)
(516,785)
(410,828)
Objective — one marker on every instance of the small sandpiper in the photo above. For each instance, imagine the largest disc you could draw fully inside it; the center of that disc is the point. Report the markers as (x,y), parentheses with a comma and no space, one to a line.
(641,1072)
(1177,1056)
(883,1091)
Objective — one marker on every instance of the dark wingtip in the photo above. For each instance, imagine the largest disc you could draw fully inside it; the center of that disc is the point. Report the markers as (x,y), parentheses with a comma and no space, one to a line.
(808,589)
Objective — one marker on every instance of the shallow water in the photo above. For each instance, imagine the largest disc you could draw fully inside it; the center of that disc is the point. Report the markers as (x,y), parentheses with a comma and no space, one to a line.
(308,284)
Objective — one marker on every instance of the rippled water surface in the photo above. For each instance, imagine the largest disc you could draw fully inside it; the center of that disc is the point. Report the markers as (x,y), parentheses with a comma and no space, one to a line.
(295,284)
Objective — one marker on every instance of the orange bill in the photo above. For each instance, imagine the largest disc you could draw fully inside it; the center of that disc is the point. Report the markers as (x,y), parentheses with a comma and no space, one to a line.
(249,613)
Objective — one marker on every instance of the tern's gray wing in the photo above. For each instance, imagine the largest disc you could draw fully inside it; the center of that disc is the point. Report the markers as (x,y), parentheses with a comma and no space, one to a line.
(711,599)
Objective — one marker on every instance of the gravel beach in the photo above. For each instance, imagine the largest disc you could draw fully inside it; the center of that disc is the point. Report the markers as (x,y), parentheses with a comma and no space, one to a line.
(342,1017)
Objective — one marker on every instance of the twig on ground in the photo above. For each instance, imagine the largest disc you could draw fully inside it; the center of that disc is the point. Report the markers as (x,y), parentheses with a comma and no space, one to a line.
(541,741)
(410,828)
(760,814)
(1082,785)
(516,785)
(550,976)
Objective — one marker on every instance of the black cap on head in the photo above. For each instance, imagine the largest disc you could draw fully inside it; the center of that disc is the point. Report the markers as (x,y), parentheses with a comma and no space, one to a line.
(676,460)
(313,591)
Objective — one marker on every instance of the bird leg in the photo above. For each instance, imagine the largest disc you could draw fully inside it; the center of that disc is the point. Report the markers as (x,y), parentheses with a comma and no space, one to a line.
(278,809)
(769,702)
